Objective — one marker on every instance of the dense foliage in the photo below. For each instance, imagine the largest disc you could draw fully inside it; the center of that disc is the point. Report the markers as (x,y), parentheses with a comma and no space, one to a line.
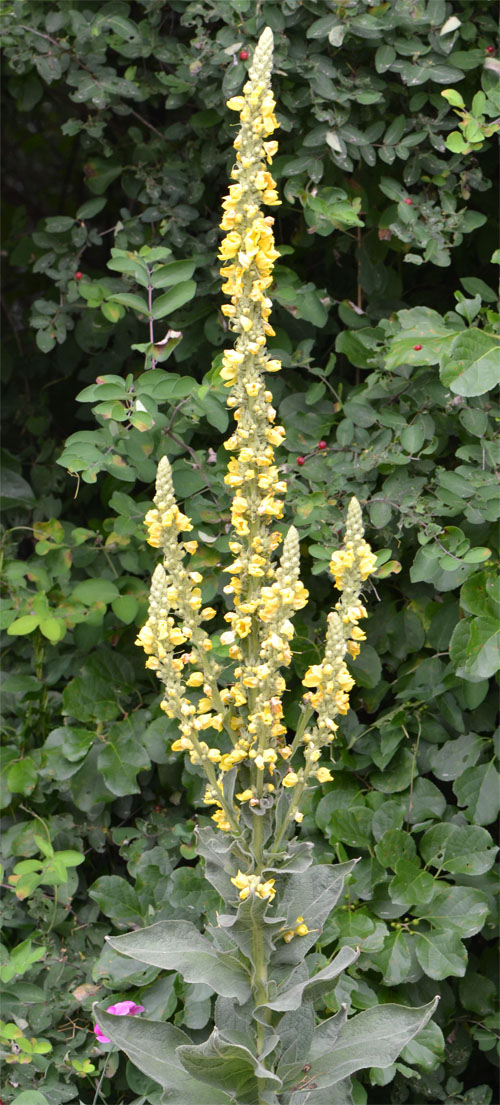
(116,154)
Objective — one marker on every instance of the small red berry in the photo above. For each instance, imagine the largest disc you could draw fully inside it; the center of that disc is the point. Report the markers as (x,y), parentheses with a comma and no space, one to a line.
(409,202)
(78,275)
(243,55)
(322,445)
(301,461)
(417,347)
(490,49)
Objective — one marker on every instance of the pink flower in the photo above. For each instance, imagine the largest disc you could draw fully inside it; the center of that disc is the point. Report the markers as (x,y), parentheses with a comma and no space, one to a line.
(121,1009)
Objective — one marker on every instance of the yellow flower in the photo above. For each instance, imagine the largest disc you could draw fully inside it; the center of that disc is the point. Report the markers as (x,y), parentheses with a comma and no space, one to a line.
(291,779)
(266,889)
(247,884)
(323,775)
(245,796)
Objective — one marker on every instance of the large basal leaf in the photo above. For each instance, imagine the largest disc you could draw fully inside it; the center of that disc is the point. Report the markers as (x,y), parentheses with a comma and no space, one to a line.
(472,366)
(313,987)
(152,1046)
(178,946)
(373,1038)
(228,1066)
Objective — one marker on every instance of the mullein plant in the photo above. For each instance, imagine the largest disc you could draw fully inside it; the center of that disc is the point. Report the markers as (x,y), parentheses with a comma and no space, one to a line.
(266,1047)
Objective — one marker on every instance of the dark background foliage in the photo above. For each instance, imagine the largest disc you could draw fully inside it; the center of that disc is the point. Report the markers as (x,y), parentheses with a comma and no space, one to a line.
(116,138)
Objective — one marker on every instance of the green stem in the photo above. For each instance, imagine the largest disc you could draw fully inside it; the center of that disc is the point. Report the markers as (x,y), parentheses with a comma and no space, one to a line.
(258,841)
(259,979)
(302,726)
(292,809)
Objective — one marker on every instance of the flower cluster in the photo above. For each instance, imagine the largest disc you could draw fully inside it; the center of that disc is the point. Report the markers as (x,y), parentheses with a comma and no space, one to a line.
(252,884)
(247,717)
(300,929)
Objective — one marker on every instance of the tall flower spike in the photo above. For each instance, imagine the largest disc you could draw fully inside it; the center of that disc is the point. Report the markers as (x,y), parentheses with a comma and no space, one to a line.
(265,595)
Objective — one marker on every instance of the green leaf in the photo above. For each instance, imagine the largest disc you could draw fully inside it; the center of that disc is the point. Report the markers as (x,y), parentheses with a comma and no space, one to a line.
(70,858)
(31,1097)
(117,899)
(453,97)
(22,776)
(320,28)
(153,1048)
(171,301)
(112,312)
(125,607)
(474,421)
(472,365)
(187,480)
(311,894)
(102,172)
(129,299)
(373,1038)
(108,388)
(312,988)
(397,960)
(351,826)
(384,57)
(179,946)
(411,884)
(394,846)
(380,514)
(95,590)
(426,1049)
(52,628)
(479,790)
(14,489)
(412,437)
(462,850)
(477,555)
(474,286)
(355,347)
(455,756)
(481,595)
(441,954)
(59,224)
(120,759)
(174,273)
(228,1066)
(395,131)
(91,208)
(129,264)
(456,908)
(424,327)
(397,775)
(483,648)
(23,625)
(45,340)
